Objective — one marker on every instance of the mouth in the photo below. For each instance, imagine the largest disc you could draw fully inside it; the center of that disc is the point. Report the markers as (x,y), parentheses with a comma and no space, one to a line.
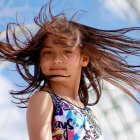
(55,72)
(53,76)
(57,69)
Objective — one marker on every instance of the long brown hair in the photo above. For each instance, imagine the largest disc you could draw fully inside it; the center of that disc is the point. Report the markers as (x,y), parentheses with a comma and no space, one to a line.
(107,50)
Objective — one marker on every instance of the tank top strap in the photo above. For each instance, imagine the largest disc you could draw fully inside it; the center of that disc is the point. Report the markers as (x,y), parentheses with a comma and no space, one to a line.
(53,96)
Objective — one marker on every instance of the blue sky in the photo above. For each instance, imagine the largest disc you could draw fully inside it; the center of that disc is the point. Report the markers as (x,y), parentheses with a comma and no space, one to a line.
(101,14)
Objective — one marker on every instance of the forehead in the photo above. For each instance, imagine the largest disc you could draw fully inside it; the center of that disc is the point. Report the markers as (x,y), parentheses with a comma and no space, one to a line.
(51,43)
(52,40)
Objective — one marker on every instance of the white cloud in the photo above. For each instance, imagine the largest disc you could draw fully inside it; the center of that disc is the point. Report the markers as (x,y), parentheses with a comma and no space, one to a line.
(12,119)
(120,8)
(5,86)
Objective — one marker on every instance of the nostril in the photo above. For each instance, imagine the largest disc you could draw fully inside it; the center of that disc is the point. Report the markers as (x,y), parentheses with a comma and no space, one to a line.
(57,60)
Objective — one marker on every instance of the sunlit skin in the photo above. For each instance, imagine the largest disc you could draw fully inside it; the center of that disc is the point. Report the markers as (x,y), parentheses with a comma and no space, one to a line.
(56,59)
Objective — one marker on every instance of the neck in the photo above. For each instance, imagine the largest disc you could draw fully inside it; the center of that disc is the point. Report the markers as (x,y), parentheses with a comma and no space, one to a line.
(66,88)
(70,90)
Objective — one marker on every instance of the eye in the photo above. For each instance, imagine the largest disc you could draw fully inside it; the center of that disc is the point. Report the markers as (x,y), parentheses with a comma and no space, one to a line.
(68,51)
(46,52)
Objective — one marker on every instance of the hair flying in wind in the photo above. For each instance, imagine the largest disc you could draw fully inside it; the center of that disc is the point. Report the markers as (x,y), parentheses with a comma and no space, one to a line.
(107,51)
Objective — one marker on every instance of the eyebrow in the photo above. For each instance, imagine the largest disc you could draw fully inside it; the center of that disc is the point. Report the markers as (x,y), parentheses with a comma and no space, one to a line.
(46,46)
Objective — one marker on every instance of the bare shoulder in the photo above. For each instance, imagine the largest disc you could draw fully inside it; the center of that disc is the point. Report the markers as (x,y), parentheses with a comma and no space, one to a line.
(39,116)
(40,105)
(39,97)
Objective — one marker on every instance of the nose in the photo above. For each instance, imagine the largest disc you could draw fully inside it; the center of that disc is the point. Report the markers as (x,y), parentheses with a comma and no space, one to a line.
(59,58)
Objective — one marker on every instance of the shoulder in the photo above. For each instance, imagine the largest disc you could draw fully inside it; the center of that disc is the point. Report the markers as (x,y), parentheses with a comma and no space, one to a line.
(92,112)
(40,105)
(39,116)
(40,97)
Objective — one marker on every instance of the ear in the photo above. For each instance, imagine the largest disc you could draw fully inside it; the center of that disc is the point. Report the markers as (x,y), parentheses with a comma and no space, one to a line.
(85,60)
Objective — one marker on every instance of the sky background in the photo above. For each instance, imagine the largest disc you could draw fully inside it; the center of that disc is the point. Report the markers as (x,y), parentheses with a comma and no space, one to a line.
(103,14)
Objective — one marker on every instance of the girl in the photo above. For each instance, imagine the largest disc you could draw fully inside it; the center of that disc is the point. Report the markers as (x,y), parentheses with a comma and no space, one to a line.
(60,63)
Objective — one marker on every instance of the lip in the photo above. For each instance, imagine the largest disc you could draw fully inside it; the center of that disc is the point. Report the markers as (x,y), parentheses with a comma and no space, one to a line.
(57,69)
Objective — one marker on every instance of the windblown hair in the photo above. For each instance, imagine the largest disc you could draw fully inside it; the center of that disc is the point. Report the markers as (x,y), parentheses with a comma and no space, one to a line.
(107,51)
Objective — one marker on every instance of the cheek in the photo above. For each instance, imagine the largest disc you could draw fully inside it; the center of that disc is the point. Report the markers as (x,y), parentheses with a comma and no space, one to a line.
(44,65)
(75,61)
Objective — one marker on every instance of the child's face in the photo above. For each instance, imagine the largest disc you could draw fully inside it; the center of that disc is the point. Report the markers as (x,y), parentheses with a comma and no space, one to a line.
(61,62)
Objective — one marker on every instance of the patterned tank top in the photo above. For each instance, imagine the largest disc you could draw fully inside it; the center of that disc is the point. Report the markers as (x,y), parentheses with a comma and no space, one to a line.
(73,123)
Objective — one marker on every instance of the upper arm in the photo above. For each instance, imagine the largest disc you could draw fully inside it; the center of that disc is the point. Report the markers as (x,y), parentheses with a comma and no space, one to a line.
(39,116)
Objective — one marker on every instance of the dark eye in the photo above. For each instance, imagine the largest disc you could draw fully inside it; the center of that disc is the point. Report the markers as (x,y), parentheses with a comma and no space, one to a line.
(68,51)
(46,52)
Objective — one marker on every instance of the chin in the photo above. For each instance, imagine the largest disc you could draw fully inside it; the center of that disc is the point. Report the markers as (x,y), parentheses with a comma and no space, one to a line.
(58,79)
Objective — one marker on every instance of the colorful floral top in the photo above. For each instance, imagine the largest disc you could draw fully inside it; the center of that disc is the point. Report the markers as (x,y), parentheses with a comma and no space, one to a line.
(73,123)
